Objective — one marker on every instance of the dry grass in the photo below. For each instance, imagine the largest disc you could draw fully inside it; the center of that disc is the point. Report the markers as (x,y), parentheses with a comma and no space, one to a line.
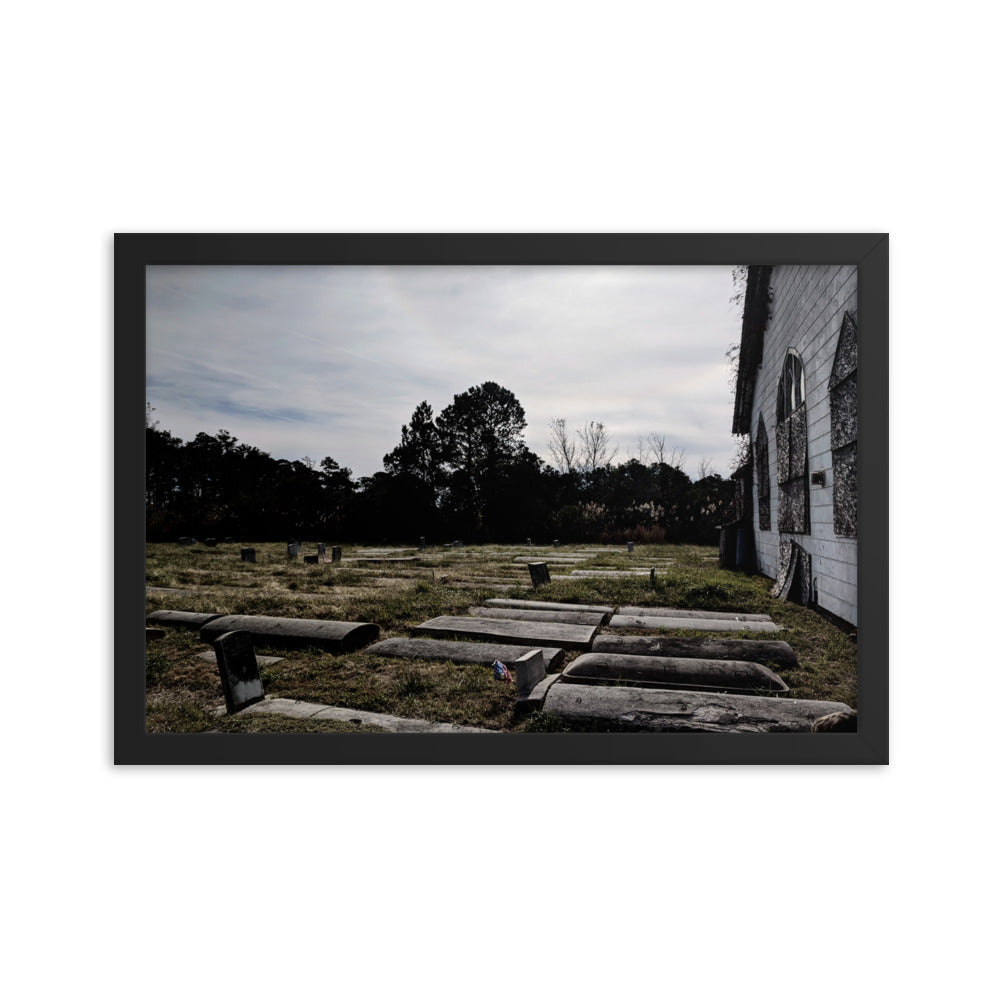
(183,689)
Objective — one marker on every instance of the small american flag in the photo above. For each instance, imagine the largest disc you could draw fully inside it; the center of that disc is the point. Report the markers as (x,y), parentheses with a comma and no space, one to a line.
(501,673)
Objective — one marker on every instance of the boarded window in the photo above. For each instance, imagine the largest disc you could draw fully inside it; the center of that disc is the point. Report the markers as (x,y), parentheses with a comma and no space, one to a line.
(844,430)
(791,446)
(763,477)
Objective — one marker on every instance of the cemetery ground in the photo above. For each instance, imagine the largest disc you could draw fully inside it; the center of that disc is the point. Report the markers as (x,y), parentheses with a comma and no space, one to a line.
(398,589)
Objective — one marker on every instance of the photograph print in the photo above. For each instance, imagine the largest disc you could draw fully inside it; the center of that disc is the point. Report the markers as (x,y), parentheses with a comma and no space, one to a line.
(557,501)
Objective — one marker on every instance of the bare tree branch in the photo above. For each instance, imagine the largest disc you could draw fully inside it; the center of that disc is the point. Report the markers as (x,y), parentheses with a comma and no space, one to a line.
(561,446)
(596,444)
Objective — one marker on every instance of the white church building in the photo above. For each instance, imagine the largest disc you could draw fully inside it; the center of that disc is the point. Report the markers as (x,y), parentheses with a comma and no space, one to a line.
(796,397)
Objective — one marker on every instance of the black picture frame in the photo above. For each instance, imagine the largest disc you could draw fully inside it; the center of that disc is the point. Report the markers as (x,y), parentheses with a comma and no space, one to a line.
(868,252)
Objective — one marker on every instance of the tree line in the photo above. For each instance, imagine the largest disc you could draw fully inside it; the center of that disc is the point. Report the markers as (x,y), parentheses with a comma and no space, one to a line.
(465,473)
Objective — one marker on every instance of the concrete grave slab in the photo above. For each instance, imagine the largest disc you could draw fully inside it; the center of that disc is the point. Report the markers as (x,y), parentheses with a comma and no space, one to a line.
(673,672)
(510,602)
(660,710)
(735,616)
(292,708)
(528,615)
(262,661)
(704,624)
(513,632)
(337,637)
(184,619)
(763,651)
(241,683)
(483,653)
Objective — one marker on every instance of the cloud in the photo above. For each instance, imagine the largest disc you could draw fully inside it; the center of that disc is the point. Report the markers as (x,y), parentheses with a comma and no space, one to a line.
(333,360)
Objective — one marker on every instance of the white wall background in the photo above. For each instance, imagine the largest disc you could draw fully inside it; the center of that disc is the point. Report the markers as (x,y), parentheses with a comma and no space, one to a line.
(769,882)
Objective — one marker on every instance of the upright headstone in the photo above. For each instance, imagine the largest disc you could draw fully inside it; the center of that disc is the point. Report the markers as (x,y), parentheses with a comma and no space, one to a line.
(237,662)
(211,542)
(423,542)
(248,555)
(652,577)
(555,543)
(529,543)
(311,560)
(528,671)
(321,549)
(293,549)
(335,553)
(458,543)
(539,573)
(631,546)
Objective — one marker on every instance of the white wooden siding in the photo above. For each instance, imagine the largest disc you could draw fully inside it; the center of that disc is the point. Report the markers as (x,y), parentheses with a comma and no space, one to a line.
(807,309)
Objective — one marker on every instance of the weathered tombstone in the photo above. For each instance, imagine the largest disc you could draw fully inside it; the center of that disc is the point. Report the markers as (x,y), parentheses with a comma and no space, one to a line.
(248,555)
(310,560)
(458,543)
(555,543)
(539,573)
(186,540)
(211,542)
(321,549)
(631,546)
(293,549)
(528,671)
(237,662)
(335,553)
(423,542)
(529,543)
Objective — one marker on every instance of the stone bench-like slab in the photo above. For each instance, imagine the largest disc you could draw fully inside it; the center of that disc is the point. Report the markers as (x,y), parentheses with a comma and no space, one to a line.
(660,710)
(336,637)
(528,615)
(704,624)
(683,613)
(483,653)
(672,672)
(756,650)
(509,631)
(185,619)
(510,602)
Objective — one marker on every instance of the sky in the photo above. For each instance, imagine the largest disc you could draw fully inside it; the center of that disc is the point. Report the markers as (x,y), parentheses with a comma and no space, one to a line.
(332,361)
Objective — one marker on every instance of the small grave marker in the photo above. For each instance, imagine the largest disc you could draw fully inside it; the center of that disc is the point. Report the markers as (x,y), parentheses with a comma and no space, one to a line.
(211,542)
(248,555)
(539,573)
(528,671)
(631,546)
(293,549)
(237,662)
(555,543)
(311,560)
(321,549)
(423,542)
(335,553)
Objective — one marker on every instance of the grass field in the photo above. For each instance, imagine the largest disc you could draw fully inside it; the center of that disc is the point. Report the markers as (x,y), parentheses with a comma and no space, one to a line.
(183,690)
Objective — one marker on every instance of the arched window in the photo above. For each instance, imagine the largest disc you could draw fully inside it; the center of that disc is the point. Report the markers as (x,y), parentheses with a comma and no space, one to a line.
(790,444)
(844,430)
(763,476)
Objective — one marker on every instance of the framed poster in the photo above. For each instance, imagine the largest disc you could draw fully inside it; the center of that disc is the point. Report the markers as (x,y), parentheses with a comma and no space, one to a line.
(393,466)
